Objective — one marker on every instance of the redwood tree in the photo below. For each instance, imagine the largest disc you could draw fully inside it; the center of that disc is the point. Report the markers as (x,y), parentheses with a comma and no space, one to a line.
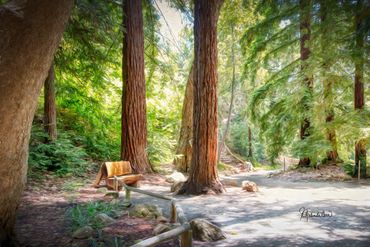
(250,149)
(50,115)
(30,34)
(359,100)
(305,36)
(134,130)
(326,51)
(203,175)
(184,148)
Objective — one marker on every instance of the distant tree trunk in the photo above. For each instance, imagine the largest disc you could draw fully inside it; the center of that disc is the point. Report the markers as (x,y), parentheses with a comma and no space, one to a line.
(134,130)
(332,155)
(50,113)
(224,136)
(30,34)
(250,150)
(305,33)
(359,100)
(203,175)
(184,148)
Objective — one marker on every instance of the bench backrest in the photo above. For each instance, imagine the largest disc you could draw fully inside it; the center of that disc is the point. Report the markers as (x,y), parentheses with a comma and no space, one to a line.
(117,168)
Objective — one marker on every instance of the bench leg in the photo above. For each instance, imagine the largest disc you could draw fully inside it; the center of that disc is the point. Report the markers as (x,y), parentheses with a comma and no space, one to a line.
(115,184)
(186,239)
(173,218)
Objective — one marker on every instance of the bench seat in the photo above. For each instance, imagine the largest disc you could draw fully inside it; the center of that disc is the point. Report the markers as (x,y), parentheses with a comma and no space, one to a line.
(120,171)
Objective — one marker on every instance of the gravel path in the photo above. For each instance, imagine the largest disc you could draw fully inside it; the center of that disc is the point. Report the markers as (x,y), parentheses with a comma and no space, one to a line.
(271,216)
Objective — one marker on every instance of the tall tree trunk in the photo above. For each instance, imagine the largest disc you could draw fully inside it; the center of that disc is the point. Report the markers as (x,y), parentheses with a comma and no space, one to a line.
(332,155)
(184,148)
(203,175)
(250,150)
(30,34)
(50,113)
(134,130)
(224,136)
(305,33)
(359,100)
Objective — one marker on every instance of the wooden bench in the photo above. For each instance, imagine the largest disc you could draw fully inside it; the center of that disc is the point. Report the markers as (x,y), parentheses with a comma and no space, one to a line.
(115,174)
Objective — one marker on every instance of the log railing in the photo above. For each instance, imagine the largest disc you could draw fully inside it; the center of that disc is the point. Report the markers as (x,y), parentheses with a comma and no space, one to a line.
(177,215)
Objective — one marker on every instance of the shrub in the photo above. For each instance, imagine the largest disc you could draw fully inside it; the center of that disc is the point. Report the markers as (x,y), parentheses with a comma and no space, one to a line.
(61,156)
(85,214)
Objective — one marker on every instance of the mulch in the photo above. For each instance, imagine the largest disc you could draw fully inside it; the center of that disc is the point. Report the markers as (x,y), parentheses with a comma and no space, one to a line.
(42,218)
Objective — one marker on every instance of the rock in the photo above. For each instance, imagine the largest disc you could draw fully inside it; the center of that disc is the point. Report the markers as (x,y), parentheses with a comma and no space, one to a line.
(146,210)
(155,211)
(161,228)
(246,167)
(249,166)
(205,231)
(249,186)
(140,210)
(175,177)
(104,218)
(118,213)
(176,186)
(83,232)
(162,219)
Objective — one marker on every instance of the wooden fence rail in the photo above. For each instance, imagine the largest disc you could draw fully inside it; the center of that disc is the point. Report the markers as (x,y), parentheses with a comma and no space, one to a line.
(177,215)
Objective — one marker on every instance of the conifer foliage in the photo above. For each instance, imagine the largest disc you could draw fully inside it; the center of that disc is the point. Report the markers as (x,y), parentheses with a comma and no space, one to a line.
(304,57)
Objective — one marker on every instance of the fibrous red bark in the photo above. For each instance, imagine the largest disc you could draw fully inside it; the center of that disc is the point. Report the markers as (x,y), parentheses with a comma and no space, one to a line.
(305,33)
(30,34)
(332,154)
(250,150)
(50,114)
(359,102)
(203,175)
(134,125)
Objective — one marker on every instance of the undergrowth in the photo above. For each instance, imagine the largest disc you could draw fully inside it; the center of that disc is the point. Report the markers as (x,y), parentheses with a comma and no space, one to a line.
(62,156)
(85,214)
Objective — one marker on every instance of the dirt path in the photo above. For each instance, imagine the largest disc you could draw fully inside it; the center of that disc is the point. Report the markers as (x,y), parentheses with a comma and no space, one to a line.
(271,217)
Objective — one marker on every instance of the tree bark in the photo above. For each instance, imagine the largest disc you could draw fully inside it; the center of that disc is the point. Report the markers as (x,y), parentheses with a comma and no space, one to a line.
(250,150)
(359,100)
(30,34)
(332,155)
(224,136)
(134,125)
(305,33)
(184,148)
(203,175)
(50,113)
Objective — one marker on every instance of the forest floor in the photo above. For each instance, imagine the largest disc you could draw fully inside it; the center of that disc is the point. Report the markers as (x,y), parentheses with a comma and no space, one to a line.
(269,217)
